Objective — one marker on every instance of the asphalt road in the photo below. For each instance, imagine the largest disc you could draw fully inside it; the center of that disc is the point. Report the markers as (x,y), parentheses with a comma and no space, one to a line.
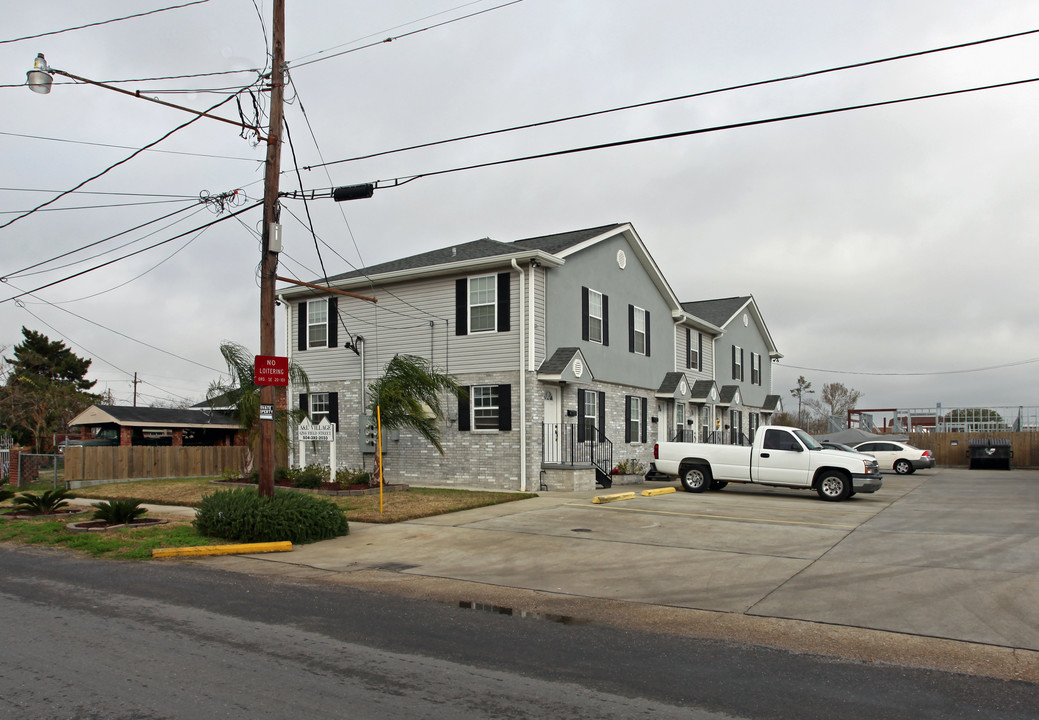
(95,639)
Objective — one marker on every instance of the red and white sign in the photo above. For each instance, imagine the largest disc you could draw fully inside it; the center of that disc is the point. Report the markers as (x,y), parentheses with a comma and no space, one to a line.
(271,370)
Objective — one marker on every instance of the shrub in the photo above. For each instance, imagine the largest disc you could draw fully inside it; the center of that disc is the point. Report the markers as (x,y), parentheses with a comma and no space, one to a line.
(5,494)
(229,474)
(630,466)
(244,515)
(45,504)
(352,476)
(311,476)
(118,512)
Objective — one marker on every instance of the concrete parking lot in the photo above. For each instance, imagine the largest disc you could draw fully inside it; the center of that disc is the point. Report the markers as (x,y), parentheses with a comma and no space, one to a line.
(941,553)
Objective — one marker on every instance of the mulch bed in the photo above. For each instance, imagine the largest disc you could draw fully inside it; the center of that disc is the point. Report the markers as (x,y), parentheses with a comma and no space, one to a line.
(331,488)
(102,525)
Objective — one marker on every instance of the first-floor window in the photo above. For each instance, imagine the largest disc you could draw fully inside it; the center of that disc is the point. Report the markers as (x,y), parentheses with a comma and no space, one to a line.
(635,421)
(591,414)
(318,407)
(485,407)
(679,420)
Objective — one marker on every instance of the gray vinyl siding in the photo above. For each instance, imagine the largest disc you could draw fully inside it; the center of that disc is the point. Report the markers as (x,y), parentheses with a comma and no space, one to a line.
(749,338)
(415,318)
(540,348)
(596,268)
(682,350)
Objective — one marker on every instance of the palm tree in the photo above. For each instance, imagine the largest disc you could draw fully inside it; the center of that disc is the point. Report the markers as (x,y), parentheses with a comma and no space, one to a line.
(408,396)
(242,394)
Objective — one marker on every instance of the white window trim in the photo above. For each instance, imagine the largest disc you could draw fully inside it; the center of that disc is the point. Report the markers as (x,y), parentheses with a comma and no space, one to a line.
(693,351)
(636,315)
(493,304)
(591,316)
(311,325)
(473,408)
(635,406)
(317,415)
(737,361)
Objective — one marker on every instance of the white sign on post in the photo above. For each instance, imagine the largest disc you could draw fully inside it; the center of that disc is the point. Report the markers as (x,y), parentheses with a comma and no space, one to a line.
(324,431)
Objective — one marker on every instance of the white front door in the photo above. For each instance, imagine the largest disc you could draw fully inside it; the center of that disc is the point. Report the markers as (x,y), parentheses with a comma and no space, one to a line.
(553,450)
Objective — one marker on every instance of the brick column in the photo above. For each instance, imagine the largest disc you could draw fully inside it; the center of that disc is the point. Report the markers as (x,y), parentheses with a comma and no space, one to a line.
(125,436)
(12,476)
(178,437)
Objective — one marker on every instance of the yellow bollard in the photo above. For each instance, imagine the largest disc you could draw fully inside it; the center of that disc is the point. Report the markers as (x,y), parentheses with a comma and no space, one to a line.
(204,550)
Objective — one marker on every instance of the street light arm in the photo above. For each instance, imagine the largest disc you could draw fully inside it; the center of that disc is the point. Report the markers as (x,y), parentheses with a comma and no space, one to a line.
(137,94)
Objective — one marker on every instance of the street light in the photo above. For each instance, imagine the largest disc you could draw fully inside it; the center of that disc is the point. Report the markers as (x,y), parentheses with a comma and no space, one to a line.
(39,78)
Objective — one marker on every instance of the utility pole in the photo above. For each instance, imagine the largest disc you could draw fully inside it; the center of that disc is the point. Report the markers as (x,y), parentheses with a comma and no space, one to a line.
(135,383)
(269,259)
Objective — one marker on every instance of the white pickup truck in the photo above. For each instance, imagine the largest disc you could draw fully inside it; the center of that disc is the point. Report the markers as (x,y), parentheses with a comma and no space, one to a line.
(780,456)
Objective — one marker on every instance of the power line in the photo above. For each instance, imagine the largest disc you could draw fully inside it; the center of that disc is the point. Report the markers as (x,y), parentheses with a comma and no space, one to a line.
(94,207)
(110,167)
(126,147)
(405,179)
(98,192)
(136,252)
(1003,366)
(102,22)
(120,334)
(17,273)
(687,96)
(404,35)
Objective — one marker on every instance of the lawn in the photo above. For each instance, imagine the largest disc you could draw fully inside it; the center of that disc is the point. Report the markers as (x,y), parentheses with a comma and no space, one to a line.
(138,544)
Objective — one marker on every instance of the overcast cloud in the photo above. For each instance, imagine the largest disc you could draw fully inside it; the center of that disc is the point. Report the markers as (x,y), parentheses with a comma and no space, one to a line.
(883,246)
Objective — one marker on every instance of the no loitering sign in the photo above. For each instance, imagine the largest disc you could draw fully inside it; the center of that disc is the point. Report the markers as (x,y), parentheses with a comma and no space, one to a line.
(271,370)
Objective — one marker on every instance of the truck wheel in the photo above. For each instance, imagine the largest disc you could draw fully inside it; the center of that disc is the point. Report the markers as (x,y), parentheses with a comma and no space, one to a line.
(696,479)
(903,466)
(834,486)
(718,484)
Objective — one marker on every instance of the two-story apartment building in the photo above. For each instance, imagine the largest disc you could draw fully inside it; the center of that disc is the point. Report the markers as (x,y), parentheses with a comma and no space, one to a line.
(744,371)
(572,347)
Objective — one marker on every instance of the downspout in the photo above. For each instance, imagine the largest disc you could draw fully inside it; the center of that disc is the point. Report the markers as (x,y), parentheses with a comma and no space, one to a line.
(359,344)
(522,379)
(530,316)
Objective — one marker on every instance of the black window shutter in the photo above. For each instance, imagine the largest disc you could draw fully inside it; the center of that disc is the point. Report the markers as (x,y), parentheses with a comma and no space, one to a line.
(741,364)
(602,414)
(505,407)
(647,333)
(631,328)
(303,405)
(333,409)
(333,323)
(605,320)
(504,319)
(645,407)
(627,418)
(584,313)
(301,329)
(462,308)
(580,415)
(734,374)
(699,354)
(688,348)
(463,409)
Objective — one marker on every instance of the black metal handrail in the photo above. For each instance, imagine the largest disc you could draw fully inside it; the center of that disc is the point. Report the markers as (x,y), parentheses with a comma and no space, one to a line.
(564,445)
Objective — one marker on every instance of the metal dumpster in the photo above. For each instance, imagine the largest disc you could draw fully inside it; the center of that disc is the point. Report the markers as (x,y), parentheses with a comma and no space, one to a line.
(989,453)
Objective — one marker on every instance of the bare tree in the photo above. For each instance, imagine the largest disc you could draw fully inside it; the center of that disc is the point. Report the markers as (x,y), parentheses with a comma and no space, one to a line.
(803,389)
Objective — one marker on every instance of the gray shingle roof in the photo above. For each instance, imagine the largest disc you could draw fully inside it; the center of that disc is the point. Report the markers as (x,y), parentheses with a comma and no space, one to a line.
(670,382)
(476,250)
(128,415)
(701,389)
(561,241)
(771,403)
(558,362)
(727,394)
(716,312)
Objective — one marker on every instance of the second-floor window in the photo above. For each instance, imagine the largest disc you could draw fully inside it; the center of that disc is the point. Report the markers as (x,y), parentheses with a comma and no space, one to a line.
(755,369)
(737,362)
(694,347)
(595,316)
(317,324)
(638,333)
(482,303)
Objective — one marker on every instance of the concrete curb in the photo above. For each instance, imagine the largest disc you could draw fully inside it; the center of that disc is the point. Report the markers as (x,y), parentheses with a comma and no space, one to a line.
(204,550)
(659,491)
(599,499)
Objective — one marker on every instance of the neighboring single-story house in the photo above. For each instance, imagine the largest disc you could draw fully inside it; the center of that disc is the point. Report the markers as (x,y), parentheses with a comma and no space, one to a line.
(122,425)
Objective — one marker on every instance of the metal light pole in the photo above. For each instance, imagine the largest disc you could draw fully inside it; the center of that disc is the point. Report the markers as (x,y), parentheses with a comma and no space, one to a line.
(269,259)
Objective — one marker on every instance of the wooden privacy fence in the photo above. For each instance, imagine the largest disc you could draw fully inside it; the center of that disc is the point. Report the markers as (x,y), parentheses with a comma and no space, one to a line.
(950,449)
(141,462)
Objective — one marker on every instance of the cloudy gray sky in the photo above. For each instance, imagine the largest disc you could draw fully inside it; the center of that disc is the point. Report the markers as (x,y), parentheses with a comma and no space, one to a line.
(891,249)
